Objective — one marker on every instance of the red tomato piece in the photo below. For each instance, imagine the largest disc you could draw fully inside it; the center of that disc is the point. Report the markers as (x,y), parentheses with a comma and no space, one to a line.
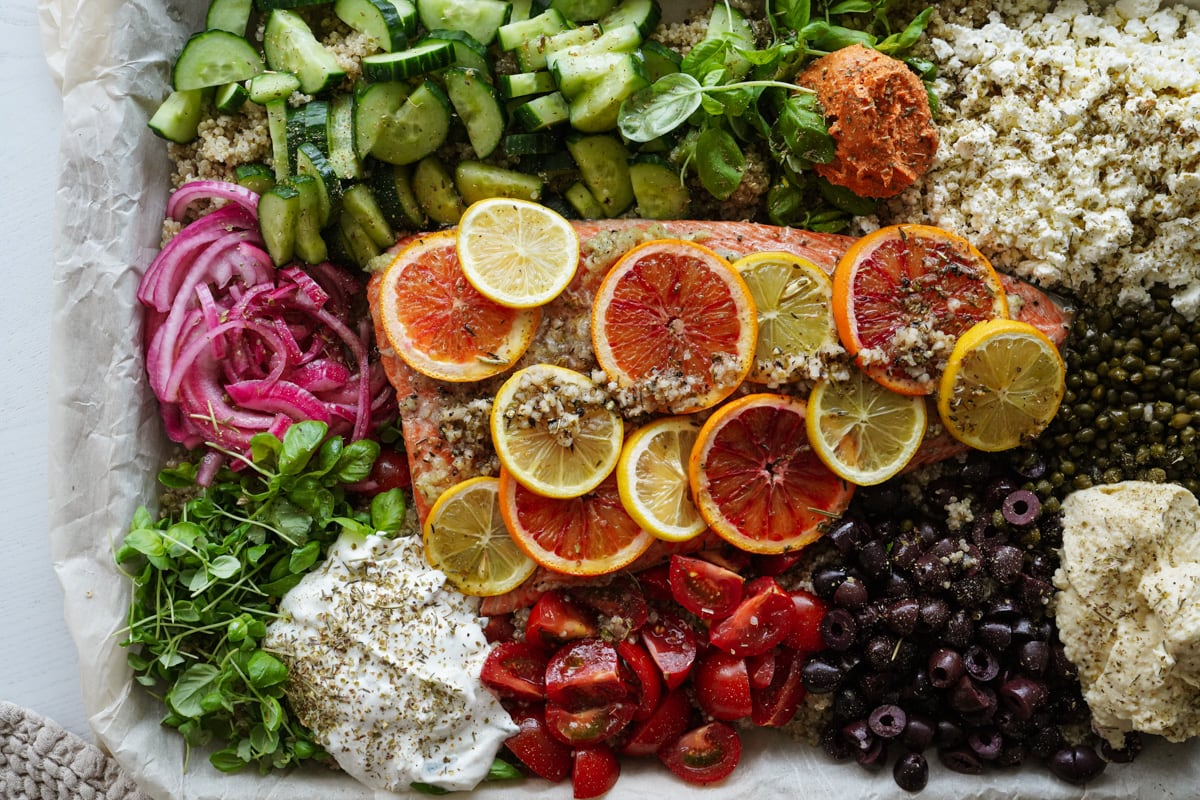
(671,642)
(587,673)
(499,628)
(762,669)
(596,771)
(760,622)
(656,583)
(806,622)
(705,589)
(646,671)
(390,471)
(555,619)
(544,755)
(703,755)
(776,704)
(589,725)
(667,723)
(516,670)
(621,598)
(722,685)
(774,564)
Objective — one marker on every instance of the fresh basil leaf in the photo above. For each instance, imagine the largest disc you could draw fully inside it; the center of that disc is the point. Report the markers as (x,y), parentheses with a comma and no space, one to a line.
(659,108)
(304,557)
(387,511)
(801,126)
(181,538)
(227,760)
(502,771)
(427,788)
(852,7)
(720,163)
(712,105)
(794,13)
(193,685)
(264,669)
(290,520)
(843,199)
(147,541)
(300,442)
(328,455)
(899,42)
(705,57)
(181,476)
(835,37)
(264,446)
(356,461)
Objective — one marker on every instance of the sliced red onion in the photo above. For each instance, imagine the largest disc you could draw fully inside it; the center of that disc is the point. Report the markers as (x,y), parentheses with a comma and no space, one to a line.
(190,192)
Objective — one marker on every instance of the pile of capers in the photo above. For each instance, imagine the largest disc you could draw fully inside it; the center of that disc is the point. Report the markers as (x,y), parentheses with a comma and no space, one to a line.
(1131,410)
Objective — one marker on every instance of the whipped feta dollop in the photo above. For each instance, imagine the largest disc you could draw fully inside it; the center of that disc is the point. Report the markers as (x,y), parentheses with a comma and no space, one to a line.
(384,661)
(1128,607)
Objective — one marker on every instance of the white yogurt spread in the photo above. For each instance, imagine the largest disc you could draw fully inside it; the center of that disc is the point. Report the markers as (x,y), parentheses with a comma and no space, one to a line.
(1129,606)
(384,663)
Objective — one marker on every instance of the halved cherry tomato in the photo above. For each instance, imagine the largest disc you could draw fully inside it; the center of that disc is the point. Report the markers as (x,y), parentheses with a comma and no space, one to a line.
(499,628)
(722,685)
(620,598)
(589,725)
(544,755)
(774,564)
(516,670)
(390,471)
(656,583)
(760,622)
(586,673)
(596,771)
(646,671)
(555,619)
(671,642)
(806,622)
(703,755)
(762,669)
(705,589)
(667,723)
(776,704)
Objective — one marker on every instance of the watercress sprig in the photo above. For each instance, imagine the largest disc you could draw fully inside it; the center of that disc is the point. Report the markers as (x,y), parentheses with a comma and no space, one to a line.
(207,576)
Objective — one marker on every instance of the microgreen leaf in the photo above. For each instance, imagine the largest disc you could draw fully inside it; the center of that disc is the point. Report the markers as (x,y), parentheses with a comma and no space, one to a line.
(502,771)
(300,442)
(304,557)
(193,685)
(387,511)
(264,669)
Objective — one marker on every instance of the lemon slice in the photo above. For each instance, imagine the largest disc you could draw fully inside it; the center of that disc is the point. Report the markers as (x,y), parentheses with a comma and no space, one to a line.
(652,479)
(793,297)
(517,253)
(553,432)
(863,431)
(1002,385)
(465,538)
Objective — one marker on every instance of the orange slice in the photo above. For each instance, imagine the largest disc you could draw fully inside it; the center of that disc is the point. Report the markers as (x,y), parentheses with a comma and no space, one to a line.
(902,296)
(673,321)
(440,324)
(756,479)
(588,535)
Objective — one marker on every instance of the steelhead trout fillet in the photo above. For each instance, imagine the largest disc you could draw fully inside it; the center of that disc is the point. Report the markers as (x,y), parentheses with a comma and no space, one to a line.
(445,425)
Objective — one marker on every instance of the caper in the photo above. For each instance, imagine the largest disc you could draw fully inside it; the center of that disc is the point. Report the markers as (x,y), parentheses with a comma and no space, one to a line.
(1181,420)
(1117,375)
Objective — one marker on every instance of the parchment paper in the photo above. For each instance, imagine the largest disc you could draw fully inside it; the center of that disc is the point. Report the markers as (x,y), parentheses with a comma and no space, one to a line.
(111,58)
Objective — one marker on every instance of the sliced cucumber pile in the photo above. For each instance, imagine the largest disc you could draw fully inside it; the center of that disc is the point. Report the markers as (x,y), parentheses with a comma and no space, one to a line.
(354,163)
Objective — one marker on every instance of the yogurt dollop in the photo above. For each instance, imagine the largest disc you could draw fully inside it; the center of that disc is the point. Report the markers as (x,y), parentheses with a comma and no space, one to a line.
(1128,607)
(384,661)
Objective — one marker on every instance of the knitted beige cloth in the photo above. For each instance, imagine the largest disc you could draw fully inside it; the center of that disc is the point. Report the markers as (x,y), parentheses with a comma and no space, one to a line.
(40,760)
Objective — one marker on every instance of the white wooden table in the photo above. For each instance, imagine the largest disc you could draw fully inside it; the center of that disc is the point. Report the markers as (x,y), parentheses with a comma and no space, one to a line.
(38,664)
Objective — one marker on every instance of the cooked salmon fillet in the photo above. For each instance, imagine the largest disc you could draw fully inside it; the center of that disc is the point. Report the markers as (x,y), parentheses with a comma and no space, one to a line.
(445,425)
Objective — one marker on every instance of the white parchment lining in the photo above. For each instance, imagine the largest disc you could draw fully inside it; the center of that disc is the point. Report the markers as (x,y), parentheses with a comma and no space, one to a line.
(111,59)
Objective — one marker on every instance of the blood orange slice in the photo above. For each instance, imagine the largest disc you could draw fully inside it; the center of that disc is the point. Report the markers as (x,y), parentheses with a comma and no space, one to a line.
(902,296)
(756,479)
(674,322)
(588,535)
(440,324)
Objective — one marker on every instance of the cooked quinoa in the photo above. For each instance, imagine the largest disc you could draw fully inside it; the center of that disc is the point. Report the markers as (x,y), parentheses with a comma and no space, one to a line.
(1070,144)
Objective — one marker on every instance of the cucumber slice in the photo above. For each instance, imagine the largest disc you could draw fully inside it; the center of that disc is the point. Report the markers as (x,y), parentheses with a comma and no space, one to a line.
(392,187)
(584,202)
(416,129)
(595,110)
(434,188)
(356,241)
(551,166)
(478,107)
(726,22)
(583,10)
(310,161)
(310,247)
(480,18)
(524,84)
(543,112)
(308,123)
(372,105)
(230,98)
(178,117)
(468,52)
(278,211)
(269,5)
(531,54)
(387,23)
(360,203)
(277,126)
(290,46)
(256,177)
(268,86)
(514,34)
(340,138)
(574,74)
(476,181)
(213,58)
(420,60)
(604,166)
(228,15)
(531,144)
(645,14)
(658,189)
(659,60)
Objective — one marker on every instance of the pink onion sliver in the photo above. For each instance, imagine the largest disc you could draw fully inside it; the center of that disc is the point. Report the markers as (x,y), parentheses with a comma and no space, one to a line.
(320,376)
(212,317)
(197,345)
(317,296)
(160,284)
(280,397)
(192,191)
(209,466)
